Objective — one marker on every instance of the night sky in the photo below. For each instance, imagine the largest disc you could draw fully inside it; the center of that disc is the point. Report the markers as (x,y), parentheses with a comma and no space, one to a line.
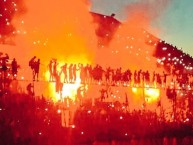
(173,20)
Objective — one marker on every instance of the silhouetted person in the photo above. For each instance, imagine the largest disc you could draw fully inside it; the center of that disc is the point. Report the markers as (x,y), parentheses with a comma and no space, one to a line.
(129,75)
(36,69)
(59,85)
(4,67)
(90,75)
(82,73)
(86,72)
(55,69)
(32,65)
(4,61)
(70,73)
(147,76)
(154,77)
(30,89)
(107,74)
(119,75)
(50,65)
(80,94)
(64,71)
(103,91)
(74,72)
(165,78)
(6,56)
(3,70)
(14,67)
(139,76)
(135,77)
(158,79)
(31,62)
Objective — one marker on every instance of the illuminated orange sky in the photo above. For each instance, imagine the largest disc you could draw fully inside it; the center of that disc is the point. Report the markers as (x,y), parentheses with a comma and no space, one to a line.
(56,30)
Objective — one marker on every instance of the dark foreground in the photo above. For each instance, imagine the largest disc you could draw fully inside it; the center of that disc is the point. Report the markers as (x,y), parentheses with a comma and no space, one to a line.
(28,121)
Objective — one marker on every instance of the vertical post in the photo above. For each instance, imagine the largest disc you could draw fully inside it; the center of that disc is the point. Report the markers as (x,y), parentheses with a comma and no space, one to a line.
(143,89)
(174,101)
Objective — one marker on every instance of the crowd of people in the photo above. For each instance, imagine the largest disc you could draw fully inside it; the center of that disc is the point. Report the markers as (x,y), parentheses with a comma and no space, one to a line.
(98,75)
(68,73)
(12,67)
(35,67)
(89,74)
(8,71)
(30,121)
(26,121)
(169,55)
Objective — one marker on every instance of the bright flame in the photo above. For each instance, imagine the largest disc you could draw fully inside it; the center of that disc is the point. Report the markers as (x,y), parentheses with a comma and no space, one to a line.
(134,90)
(60,32)
(151,95)
(68,90)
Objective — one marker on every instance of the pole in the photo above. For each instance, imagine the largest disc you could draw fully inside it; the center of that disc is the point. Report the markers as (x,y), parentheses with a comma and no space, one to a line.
(143,87)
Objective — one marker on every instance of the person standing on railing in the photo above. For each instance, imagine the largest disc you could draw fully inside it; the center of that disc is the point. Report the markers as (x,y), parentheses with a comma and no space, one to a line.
(14,67)
(36,70)
(32,65)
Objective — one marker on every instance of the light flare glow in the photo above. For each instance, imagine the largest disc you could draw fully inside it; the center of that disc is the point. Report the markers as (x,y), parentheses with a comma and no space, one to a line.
(151,95)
